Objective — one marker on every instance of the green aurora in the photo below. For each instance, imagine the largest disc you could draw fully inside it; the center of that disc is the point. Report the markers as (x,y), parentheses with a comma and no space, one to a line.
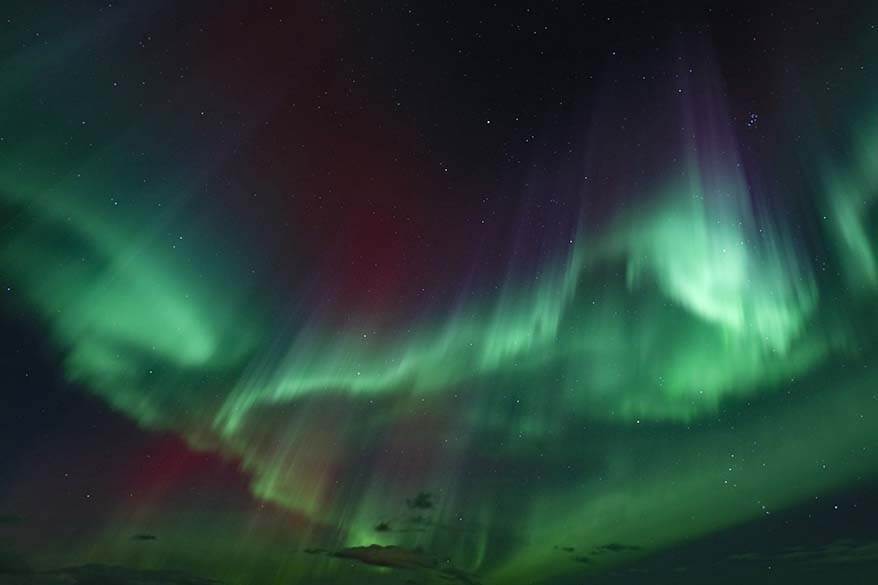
(650,324)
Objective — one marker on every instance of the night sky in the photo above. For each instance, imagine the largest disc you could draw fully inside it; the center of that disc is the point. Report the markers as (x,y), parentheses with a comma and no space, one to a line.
(438,293)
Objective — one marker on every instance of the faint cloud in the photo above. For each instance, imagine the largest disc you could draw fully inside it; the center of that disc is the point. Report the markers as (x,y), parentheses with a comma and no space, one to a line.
(422,501)
(838,552)
(388,556)
(616,547)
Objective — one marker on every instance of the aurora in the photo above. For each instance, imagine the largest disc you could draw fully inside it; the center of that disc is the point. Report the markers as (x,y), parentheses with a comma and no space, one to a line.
(648,352)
